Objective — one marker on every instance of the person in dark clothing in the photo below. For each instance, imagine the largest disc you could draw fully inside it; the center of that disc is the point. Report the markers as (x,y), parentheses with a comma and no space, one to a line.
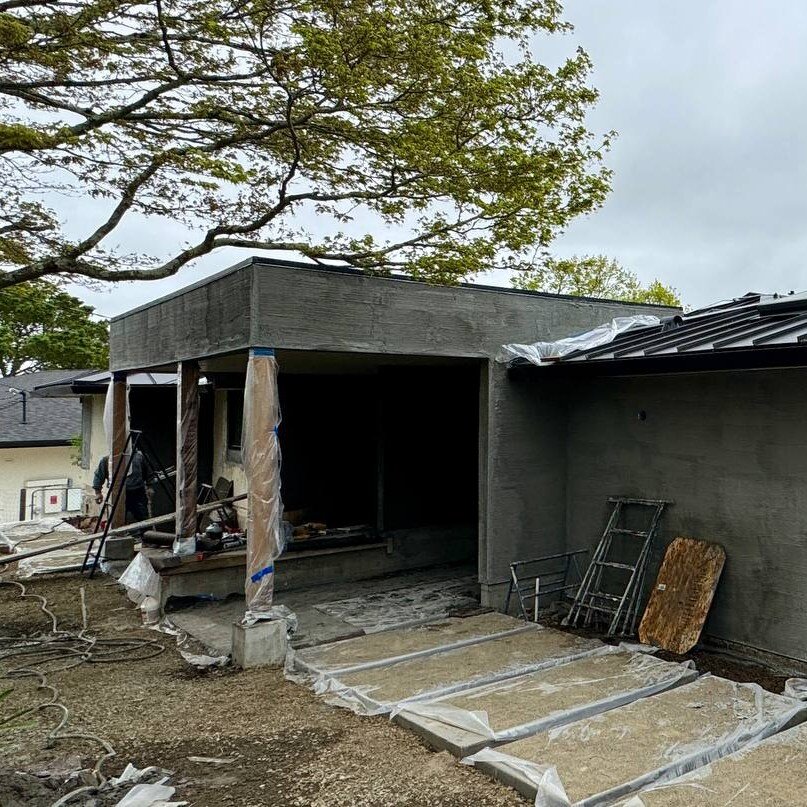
(137,503)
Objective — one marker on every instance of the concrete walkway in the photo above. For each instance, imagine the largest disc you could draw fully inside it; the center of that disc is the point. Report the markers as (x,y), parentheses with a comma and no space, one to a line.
(328,613)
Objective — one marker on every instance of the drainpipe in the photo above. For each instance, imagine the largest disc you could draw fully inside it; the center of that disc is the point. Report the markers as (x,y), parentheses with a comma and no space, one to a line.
(24,395)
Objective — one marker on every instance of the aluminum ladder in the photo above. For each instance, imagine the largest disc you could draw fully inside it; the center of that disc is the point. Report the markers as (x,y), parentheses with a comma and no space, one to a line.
(621,604)
(530,581)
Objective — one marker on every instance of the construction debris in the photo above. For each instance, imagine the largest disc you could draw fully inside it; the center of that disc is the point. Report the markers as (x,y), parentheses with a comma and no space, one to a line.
(86,539)
(682,595)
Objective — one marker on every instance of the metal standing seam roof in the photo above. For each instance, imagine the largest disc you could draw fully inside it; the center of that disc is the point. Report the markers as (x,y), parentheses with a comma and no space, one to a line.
(753,323)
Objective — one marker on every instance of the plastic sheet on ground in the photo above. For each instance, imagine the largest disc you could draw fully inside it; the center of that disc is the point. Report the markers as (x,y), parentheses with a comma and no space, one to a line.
(140,580)
(767,772)
(652,740)
(541,353)
(796,688)
(528,704)
(22,536)
(407,605)
(274,613)
(397,644)
(377,690)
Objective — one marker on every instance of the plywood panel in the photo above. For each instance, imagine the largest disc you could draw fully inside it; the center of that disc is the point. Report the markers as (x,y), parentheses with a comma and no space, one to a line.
(682,595)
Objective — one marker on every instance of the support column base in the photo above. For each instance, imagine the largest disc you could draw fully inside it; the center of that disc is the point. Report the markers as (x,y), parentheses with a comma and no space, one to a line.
(263,644)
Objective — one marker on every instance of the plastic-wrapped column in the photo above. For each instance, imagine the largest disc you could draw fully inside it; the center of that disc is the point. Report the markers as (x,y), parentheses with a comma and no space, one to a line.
(187,448)
(260,451)
(119,431)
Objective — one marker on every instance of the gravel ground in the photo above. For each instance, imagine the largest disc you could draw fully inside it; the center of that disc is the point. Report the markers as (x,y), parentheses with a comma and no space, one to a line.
(280,744)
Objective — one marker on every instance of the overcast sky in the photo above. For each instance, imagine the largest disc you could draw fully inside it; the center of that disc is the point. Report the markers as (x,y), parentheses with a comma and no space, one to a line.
(710,166)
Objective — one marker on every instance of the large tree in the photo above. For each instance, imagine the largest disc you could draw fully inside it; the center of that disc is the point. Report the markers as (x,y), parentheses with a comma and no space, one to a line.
(594,276)
(420,135)
(45,328)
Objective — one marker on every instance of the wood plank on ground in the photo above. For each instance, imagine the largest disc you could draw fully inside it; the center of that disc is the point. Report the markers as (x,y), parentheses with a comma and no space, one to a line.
(682,595)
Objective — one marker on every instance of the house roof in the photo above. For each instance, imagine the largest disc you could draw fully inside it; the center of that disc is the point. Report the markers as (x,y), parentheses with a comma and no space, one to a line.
(95,382)
(47,422)
(752,331)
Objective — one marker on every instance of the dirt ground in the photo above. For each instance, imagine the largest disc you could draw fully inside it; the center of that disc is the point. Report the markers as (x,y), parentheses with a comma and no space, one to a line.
(280,745)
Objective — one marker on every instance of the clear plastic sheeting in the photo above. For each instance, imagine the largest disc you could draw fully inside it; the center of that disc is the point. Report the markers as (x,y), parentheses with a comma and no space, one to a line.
(140,580)
(548,785)
(260,451)
(402,644)
(409,605)
(275,612)
(519,707)
(542,353)
(107,419)
(382,689)
(796,688)
(768,772)
(652,740)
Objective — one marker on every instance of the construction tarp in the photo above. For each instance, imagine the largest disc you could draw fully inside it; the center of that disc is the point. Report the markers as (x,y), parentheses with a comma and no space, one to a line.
(260,452)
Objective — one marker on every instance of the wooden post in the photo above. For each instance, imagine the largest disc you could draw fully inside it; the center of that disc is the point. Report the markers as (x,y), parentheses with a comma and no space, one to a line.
(120,431)
(187,447)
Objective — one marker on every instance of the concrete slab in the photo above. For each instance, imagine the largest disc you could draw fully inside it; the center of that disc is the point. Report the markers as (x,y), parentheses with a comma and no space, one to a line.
(601,759)
(211,622)
(263,644)
(379,689)
(490,715)
(769,773)
(380,610)
(409,642)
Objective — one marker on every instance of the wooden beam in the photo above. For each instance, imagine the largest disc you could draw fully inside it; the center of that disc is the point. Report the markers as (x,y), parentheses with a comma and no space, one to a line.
(187,447)
(140,525)
(120,431)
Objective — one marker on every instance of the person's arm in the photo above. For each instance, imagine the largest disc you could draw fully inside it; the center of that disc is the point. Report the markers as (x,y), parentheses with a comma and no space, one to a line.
(99,477)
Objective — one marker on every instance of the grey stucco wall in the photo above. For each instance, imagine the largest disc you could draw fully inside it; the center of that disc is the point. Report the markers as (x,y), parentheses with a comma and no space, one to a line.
(293,308)
(206,319)
(522,456)
(524,479)
(731,450)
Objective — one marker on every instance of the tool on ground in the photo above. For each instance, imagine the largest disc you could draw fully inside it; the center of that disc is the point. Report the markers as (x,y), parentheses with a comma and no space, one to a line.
(611,588)
(531,580)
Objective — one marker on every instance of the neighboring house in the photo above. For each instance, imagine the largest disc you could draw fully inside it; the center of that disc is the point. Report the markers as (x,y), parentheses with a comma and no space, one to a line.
(42,470)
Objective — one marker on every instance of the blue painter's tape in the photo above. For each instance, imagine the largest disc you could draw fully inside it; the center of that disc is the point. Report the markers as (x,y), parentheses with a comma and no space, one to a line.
(262,351)
(262,573)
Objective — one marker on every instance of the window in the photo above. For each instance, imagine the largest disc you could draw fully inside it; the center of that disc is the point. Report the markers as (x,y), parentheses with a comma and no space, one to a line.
(235,414)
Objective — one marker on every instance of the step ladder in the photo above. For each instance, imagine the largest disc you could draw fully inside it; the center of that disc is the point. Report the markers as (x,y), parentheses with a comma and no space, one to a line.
(618,606)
